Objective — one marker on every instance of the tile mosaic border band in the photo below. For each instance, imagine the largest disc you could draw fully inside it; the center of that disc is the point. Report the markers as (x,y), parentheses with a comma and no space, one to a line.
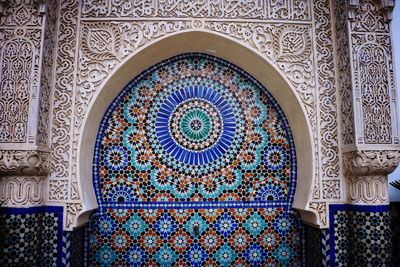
(195,205)
(43,209)
(348,207)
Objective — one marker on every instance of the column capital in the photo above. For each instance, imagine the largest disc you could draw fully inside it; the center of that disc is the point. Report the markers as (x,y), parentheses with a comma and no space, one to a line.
(370,162)
(384,6)
(24,162)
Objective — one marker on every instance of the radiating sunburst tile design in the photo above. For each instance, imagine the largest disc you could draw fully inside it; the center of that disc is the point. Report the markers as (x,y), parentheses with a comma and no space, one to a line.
(194,150)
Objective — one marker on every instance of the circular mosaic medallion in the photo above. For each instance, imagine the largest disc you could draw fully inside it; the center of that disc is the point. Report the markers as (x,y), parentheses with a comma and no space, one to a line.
(195,128)
(195,125)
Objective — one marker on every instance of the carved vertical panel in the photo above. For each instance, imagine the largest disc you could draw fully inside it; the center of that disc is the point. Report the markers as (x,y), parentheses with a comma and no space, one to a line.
(344,73)
(328,126)
(17,55)
(63,90)
(59,184)
(373,72)
(48,68)
(20,35)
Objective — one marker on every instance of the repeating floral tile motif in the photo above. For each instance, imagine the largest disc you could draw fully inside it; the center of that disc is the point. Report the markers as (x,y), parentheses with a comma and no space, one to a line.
(194,166)
(361,237)
(30,239)
(256,237)
(395,208)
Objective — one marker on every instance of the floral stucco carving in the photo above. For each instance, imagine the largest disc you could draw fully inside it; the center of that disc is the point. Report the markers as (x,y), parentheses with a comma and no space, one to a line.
(24,162)
(370,162)
(366,175)
(372,190)
(21,191)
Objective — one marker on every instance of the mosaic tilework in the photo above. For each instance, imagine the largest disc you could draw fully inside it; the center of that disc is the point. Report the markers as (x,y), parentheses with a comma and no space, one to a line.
(317,246)
(362,235)
(212,237)
(31,236)
(395,213)
(194,128)
(73,248)
(194,166)
(312,246)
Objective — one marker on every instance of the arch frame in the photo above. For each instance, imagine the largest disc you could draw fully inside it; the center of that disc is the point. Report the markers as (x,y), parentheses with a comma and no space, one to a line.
(229,49)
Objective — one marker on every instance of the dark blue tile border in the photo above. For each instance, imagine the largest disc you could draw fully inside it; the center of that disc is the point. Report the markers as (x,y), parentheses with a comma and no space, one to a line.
(42,209)
(347,207)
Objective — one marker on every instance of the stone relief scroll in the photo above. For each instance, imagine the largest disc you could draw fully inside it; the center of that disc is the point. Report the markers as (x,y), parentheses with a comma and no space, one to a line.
(225,9)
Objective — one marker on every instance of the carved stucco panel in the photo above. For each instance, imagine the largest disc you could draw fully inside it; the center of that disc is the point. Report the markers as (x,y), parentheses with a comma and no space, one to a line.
(228,9)
(63,90)
(104,44)
(370,190)
(287,46)
(372,87)
(327,104)
(16,191)
(344,73)
(19,81)
(366,16)
(19,13)
(24,162)
(47,72)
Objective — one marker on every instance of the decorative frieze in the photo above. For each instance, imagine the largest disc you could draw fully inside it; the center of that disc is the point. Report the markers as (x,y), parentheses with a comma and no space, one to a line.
(47,72)
(368,190)
(24,162)
(63,90)
(343,73)
(16,191)
(366,175)
(373,75)
(19,81)
(370,162)
(326,91)
(224,9)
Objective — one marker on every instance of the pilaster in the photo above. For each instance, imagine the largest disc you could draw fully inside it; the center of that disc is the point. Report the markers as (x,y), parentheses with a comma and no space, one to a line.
(370,143)
(28,36)
(371,152)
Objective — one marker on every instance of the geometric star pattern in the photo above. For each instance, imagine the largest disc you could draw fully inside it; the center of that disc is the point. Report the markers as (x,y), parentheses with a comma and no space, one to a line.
(194,165)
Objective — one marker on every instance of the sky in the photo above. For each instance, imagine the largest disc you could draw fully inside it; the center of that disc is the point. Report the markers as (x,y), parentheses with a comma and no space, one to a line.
(394,194)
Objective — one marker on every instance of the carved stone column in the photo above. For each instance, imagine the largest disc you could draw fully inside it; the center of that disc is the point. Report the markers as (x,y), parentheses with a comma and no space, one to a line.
(370,142)
(30,230)
(28,37)
(366,172)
